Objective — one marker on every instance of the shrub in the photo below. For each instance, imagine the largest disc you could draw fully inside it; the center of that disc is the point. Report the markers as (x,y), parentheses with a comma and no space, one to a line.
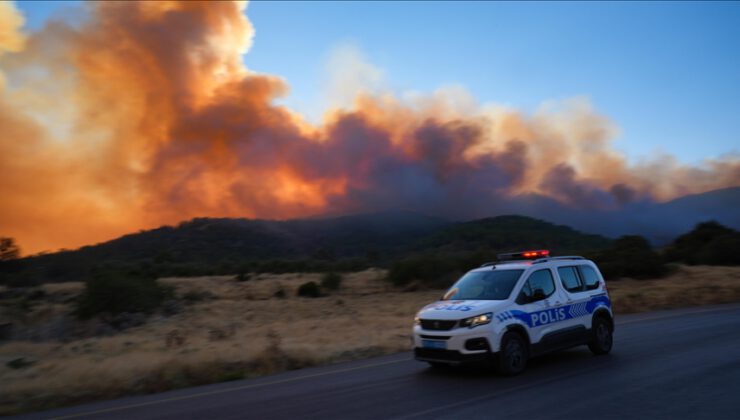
(194,296)
(631,256)
(708,243)
(331,281)
(430,270)
(309,289)
(115,293)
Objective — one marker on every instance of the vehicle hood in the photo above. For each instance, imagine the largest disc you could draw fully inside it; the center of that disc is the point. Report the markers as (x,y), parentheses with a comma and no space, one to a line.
(459,309)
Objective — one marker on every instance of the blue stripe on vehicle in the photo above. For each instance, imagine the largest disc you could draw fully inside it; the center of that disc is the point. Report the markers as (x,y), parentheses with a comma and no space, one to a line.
(562,313)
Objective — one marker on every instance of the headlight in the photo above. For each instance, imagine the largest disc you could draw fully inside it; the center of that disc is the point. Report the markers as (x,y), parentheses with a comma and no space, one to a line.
(417,321)
(477,320)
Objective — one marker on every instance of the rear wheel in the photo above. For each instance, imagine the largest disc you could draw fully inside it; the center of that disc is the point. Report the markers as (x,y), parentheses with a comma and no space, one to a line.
(601,340)
(512,358)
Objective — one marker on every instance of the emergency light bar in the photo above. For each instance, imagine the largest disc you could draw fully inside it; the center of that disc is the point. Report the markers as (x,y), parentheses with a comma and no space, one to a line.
(524,255)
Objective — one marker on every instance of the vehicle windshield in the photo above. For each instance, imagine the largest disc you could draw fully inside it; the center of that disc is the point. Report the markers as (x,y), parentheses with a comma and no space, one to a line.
(484,285)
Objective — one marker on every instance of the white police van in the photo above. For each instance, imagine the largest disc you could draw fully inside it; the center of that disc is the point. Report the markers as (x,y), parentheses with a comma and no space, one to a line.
(524,305)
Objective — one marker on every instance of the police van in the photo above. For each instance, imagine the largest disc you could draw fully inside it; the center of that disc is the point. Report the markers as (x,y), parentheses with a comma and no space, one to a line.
(526,304)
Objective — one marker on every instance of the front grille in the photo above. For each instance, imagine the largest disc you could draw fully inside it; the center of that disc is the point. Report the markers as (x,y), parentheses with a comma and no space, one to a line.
(435,337)
(437,324)
(438,354)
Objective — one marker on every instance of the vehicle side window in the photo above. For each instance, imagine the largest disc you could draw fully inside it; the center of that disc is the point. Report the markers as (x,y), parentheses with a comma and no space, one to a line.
(589,276)
(570,280)
(540,279)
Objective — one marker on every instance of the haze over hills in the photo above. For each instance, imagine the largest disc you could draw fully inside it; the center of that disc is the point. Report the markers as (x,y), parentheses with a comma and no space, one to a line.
(658,222)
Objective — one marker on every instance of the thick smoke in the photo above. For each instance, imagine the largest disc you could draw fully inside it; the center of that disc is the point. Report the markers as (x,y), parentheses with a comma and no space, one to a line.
(144,114)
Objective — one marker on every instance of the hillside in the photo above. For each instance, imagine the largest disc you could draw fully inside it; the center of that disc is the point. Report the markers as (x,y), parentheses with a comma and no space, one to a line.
(223,246)
(511,233)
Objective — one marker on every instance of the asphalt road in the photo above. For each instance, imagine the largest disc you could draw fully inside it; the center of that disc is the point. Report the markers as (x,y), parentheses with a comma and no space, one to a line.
(671,364)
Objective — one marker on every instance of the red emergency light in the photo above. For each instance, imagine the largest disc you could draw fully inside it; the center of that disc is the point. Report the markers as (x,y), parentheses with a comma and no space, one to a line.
(526,255)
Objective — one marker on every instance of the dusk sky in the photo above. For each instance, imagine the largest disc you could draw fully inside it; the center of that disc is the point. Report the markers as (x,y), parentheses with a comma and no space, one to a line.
(122,116)
(668,74)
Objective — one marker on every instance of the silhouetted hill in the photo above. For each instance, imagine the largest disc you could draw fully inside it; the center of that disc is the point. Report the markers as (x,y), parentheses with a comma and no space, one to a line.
(511,233)
(213,246)
(223,238)
(210,246)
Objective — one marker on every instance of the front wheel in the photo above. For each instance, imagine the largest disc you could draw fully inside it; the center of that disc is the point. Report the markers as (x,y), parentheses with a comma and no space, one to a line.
(512,358)
(602,340)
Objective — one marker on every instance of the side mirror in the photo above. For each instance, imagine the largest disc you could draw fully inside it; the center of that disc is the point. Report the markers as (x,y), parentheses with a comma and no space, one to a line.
(538,294)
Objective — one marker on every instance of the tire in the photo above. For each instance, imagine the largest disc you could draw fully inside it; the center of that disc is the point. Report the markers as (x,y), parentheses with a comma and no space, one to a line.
(602,339)
(512,359)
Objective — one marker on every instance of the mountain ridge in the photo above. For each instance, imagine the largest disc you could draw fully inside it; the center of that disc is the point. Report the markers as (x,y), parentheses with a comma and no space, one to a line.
(222,244)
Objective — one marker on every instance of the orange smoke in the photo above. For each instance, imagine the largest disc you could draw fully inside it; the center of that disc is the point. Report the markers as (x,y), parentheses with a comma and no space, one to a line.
(146,115)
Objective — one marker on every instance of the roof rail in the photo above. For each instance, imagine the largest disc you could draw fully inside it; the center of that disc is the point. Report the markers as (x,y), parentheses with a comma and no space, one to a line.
(494,263)
(567,257)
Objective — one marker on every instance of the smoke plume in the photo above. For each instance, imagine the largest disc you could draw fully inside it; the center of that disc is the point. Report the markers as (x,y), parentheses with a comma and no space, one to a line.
(143,113)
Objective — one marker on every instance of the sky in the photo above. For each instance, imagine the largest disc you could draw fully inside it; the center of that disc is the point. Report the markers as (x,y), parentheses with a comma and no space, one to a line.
(666,73)
(123,116)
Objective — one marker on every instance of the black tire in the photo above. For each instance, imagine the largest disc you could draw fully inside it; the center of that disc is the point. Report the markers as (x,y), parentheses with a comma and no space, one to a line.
(512,359)
(602,338)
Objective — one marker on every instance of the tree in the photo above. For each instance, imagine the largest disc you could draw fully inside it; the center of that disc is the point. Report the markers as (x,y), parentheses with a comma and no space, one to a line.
(9,250)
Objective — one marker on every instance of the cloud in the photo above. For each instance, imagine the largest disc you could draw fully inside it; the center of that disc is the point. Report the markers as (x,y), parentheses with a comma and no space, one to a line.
(11,21)
(144,114)
(349,74)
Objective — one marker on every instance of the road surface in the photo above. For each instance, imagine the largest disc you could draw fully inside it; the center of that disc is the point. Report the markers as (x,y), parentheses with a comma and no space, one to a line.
(671,364)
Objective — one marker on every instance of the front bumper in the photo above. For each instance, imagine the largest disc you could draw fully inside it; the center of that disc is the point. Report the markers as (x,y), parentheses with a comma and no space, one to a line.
(452,357)
(461,345)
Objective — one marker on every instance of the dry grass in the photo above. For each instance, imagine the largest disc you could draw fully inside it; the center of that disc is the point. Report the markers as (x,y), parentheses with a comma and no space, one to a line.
(687,286)
(231,330)
(236,329)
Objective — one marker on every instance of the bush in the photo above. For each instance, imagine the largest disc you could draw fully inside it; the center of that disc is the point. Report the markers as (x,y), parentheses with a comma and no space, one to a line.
(331,281)
(194,296)
(631,256)
(115,293)
(430,270)
(708,243)
(309,289)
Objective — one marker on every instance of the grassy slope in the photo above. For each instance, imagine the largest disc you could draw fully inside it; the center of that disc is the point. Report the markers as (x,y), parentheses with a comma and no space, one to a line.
(242,331)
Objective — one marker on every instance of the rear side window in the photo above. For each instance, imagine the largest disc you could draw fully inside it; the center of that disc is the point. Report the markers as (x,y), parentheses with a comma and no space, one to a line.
(569,277)
(589,276)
